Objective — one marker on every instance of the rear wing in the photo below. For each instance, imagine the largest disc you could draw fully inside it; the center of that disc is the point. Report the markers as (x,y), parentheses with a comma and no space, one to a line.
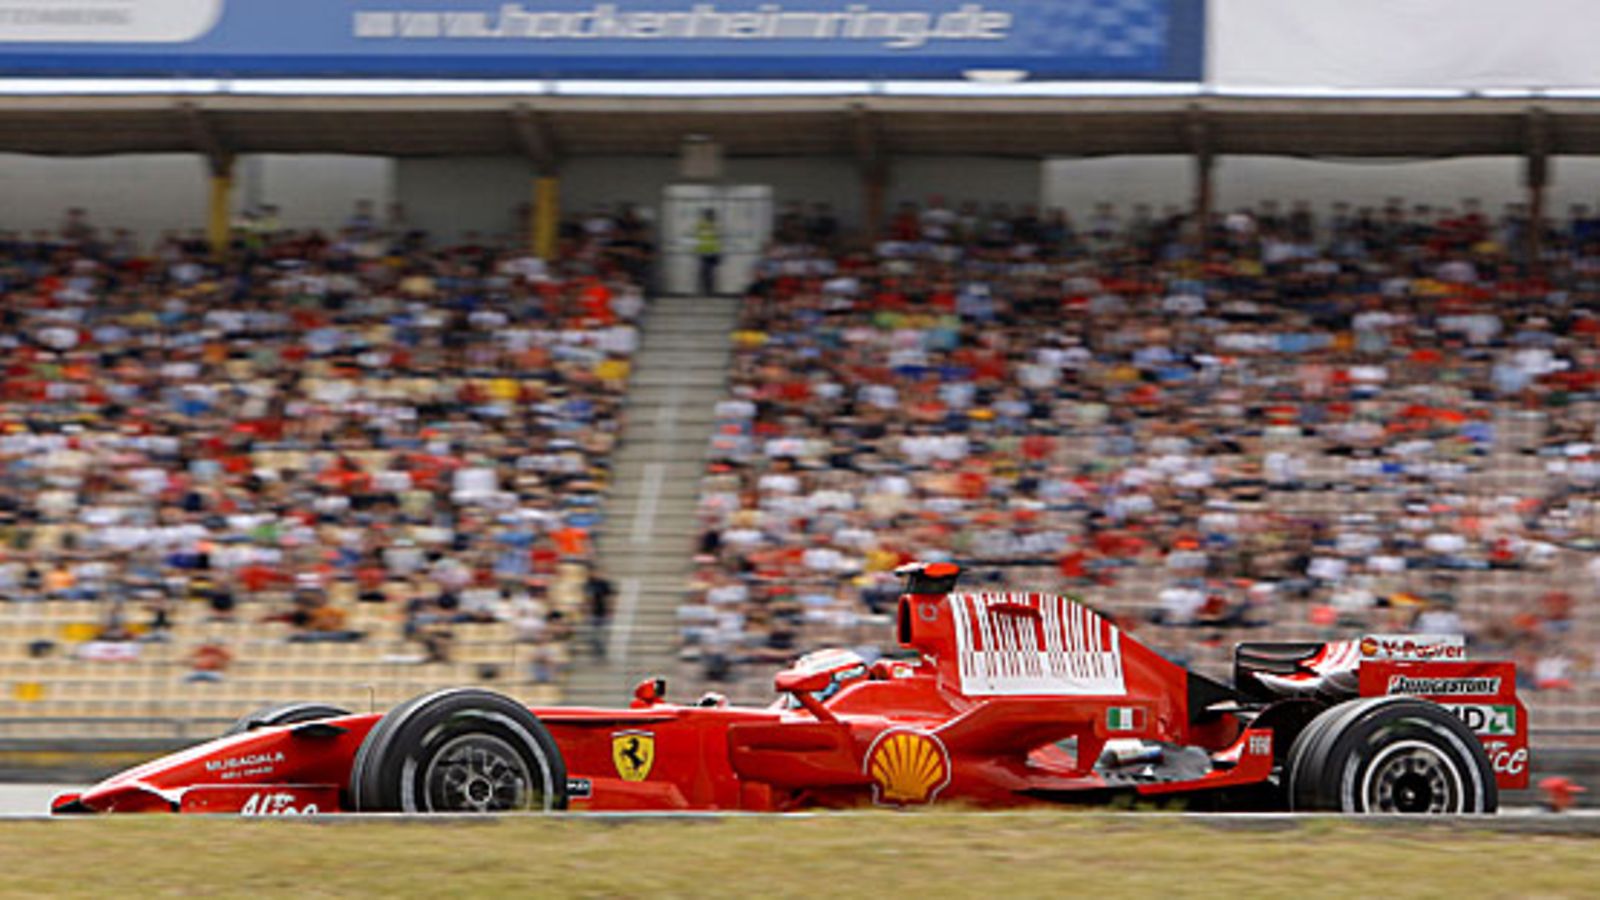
(1328,669)
(1430,666)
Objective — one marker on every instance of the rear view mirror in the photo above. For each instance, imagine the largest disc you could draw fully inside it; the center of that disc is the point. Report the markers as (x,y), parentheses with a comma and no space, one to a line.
(804,687)
(794,681)
(649,692)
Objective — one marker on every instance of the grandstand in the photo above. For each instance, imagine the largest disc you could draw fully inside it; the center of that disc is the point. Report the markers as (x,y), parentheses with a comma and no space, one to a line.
(148,681)
(363,470)
(477,434)
(1366,424)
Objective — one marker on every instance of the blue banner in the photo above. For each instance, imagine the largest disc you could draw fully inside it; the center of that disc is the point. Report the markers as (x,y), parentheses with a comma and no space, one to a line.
(538,39)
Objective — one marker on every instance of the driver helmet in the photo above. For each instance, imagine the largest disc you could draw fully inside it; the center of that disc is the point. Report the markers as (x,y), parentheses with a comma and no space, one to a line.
(846,666)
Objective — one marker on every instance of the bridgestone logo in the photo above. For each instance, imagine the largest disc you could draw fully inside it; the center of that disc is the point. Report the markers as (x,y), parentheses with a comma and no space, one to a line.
(1443,687)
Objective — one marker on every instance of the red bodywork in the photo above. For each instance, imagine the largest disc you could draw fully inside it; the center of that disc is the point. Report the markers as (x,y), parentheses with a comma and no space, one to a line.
(1010,702)
(1483,694)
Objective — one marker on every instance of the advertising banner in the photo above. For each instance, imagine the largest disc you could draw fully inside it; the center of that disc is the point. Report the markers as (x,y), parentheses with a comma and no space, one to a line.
(548,39)
(1292,45)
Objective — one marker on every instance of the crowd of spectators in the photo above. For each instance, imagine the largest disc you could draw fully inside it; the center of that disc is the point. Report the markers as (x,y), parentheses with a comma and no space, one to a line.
(307,421)
(1363,420)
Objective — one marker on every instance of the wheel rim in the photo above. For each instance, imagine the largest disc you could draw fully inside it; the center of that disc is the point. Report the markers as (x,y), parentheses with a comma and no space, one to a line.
(478,773)
(1412,777)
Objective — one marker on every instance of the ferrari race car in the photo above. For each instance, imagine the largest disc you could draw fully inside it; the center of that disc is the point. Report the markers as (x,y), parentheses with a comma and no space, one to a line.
(1010,699)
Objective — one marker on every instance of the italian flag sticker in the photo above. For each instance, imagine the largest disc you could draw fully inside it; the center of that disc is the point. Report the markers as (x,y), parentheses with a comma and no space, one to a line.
(1124,718)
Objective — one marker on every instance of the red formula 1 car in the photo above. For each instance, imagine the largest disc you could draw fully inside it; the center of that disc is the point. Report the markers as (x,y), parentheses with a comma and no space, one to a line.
(1011,699)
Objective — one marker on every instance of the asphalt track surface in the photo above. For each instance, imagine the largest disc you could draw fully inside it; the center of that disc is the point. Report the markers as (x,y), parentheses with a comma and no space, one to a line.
(32,801)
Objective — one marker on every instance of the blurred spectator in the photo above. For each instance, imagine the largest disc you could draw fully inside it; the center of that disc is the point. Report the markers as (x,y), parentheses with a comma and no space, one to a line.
(355,416)
(598,591)
(708,249)
(436,645)
(208,662)
(1310,425)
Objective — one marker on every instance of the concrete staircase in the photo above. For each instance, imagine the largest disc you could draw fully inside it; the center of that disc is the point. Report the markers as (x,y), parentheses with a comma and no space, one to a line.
(679,375)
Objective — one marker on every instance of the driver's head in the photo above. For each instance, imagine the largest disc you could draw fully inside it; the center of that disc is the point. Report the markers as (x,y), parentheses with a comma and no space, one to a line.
(845,666)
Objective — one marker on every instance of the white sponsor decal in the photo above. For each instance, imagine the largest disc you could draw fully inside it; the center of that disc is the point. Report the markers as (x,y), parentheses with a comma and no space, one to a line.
(1259,745)
(106,21)
(1443,687)
(1486,719)
(1034,644)
(275,804)
(1414,646)
(249,764)
(895,29)
(1504,760)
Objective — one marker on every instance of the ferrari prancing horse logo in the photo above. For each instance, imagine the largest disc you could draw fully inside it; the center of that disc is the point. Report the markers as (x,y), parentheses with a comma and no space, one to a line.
(634,752)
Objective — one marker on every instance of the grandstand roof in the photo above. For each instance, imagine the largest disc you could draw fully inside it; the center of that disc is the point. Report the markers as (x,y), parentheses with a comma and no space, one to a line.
(546,127)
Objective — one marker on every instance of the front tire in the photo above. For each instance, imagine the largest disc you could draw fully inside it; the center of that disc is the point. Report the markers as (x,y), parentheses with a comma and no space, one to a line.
(1390,755)
(462,750)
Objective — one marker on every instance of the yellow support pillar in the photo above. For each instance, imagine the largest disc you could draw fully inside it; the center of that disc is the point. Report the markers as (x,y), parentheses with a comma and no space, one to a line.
(545,216)
(219,211)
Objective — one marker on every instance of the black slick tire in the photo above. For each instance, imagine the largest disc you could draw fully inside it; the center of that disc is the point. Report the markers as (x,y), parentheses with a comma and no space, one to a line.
(460,750)
(1389,755)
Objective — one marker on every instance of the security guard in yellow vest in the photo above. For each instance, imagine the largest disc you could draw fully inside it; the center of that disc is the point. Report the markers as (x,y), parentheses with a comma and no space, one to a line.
(708,246)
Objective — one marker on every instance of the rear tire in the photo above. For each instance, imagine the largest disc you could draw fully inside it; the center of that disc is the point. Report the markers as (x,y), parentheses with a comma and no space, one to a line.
(1390,755)
(291,713)
(461,750)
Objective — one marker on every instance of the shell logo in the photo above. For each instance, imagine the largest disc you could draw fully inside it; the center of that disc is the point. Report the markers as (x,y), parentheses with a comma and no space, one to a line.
(907,767)
(1369,646)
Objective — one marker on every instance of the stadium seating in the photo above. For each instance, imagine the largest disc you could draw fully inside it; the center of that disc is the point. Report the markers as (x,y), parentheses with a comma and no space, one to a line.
(1318,431)
(1368,423)
(343,468)
(151,680)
